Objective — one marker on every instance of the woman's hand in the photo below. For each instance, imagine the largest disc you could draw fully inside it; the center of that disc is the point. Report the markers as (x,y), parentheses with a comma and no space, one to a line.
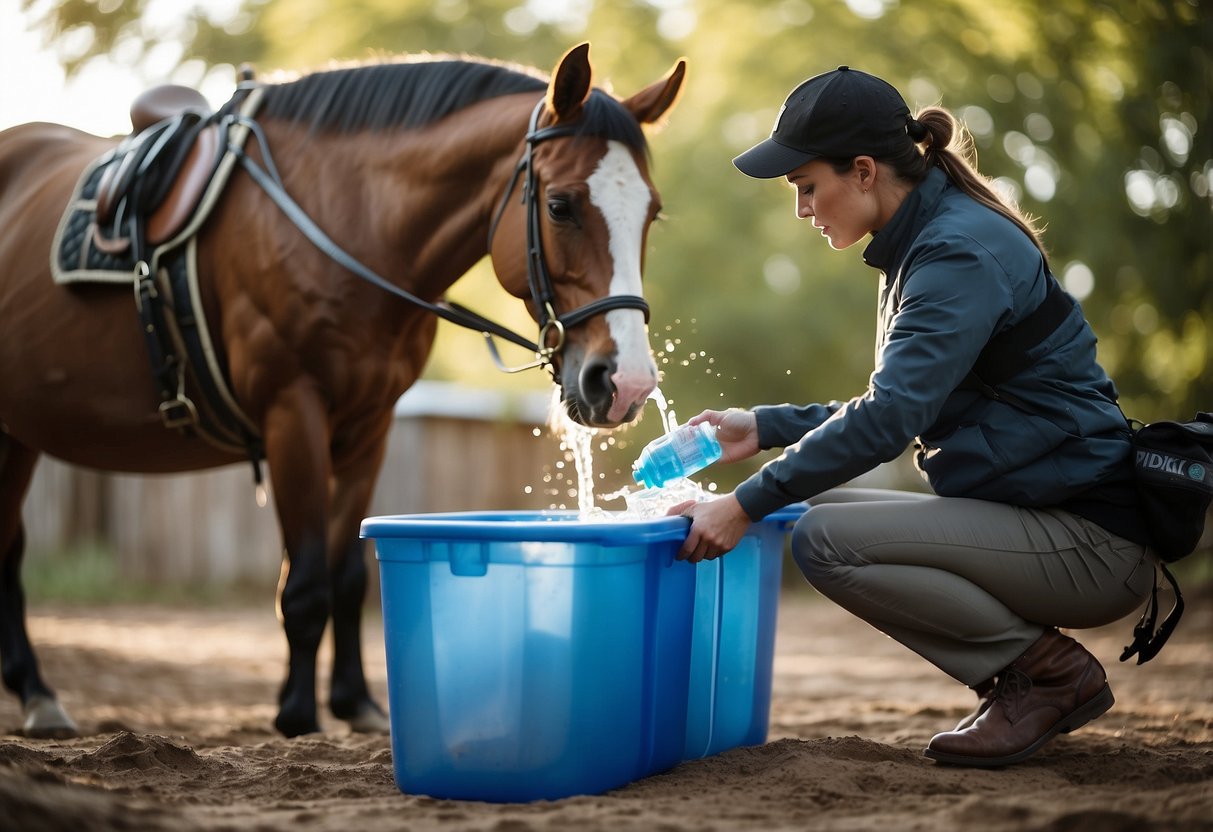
(736,431)
(716,527)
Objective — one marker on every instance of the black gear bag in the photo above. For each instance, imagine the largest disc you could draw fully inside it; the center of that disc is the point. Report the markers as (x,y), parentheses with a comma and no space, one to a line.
(1173,468)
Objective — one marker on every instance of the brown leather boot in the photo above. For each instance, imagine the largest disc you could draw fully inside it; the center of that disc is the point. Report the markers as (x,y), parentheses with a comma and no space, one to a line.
(985,695)
(1055,686)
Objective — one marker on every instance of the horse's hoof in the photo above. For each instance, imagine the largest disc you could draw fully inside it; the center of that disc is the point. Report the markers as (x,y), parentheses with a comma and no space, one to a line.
(290,727)
(46,719)
(370,719)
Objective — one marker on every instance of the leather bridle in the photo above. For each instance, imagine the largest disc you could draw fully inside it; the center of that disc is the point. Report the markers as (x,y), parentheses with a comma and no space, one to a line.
(539,278)
(552,326)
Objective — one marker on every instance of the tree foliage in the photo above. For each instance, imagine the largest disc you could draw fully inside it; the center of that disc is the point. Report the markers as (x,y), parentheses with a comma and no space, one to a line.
(1096,114)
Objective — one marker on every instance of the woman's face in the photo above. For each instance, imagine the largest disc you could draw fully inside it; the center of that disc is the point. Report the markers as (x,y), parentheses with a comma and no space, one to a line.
(837,203)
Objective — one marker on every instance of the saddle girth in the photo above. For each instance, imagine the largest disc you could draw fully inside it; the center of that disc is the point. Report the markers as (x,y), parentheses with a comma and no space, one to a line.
(167,300)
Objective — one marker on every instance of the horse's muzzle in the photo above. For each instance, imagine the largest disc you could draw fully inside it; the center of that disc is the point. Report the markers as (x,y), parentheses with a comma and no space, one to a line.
(598,394)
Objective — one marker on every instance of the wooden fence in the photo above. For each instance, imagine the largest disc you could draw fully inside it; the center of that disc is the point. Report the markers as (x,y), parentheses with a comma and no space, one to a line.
(451,449)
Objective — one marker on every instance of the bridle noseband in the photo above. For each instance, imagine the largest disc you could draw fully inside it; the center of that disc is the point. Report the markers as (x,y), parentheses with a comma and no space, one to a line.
(552,327)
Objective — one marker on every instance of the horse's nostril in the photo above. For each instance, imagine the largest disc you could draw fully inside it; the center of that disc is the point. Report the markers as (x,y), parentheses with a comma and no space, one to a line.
(596,384)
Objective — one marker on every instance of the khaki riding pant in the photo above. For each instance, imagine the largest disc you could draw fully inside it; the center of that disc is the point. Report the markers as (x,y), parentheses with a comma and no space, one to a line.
(967,584)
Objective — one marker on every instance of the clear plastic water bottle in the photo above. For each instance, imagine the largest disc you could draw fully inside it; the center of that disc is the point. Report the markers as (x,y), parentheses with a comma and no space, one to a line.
(680,453)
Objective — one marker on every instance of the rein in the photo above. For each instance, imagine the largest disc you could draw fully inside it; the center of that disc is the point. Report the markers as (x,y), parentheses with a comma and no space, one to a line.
(552,327)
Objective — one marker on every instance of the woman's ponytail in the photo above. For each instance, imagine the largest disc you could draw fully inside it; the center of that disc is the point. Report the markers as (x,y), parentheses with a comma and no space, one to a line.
(945,143)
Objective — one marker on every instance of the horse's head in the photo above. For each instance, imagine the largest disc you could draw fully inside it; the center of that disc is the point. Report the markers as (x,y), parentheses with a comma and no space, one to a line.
(590,202)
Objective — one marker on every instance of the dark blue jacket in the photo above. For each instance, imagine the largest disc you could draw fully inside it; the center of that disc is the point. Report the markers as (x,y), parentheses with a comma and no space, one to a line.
(954,273)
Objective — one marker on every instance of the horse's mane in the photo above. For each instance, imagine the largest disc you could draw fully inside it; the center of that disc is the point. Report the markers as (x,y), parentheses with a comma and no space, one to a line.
(415,92)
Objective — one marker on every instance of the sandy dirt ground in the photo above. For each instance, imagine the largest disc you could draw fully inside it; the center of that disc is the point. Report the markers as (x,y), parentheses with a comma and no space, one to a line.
(177,707)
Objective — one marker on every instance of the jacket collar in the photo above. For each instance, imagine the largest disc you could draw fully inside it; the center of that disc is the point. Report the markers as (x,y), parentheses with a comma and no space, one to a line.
(889,245)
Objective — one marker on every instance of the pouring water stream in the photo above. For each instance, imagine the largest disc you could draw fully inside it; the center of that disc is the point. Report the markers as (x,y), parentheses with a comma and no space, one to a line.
(641,503)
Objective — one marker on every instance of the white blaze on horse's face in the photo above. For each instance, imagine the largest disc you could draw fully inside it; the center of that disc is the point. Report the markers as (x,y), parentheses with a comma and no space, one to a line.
(621,194)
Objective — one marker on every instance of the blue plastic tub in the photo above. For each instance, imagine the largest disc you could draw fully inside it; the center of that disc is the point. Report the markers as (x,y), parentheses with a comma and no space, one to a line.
(531,655)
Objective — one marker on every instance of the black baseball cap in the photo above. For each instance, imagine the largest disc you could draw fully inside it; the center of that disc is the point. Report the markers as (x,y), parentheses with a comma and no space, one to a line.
(837,115)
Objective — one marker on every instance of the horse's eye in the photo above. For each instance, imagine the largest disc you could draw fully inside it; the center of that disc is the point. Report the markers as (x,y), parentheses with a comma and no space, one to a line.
(560,210)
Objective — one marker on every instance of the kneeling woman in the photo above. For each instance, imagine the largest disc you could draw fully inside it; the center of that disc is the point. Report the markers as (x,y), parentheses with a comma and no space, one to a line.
(1034,523)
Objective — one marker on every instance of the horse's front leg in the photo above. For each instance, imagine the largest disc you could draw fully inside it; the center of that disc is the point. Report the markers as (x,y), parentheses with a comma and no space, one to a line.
(44,716)
(297,449)
(353,484)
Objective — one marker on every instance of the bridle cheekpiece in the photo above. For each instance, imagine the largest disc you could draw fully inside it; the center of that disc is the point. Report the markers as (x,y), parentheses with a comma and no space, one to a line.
(539,279)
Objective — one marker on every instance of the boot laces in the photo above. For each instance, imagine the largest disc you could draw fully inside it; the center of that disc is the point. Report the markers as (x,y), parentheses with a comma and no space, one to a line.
(1012,688)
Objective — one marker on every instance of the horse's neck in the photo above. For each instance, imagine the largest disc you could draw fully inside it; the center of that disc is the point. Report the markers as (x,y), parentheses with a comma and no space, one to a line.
(415,205)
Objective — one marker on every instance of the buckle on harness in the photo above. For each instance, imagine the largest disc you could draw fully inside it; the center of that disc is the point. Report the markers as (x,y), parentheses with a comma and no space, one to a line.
(178,413)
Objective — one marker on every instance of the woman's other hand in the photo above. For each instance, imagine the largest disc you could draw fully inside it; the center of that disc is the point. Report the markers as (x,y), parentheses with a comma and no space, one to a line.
(716,527)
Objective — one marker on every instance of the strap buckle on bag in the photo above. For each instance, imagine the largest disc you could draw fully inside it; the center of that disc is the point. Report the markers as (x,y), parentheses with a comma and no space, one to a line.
(1147,642)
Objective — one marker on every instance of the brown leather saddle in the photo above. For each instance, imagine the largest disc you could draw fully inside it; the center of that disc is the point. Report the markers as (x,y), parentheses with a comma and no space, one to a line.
(159,172)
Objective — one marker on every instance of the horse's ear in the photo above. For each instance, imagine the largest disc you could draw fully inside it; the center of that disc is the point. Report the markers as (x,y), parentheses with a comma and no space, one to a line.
(655,100)
(570,83)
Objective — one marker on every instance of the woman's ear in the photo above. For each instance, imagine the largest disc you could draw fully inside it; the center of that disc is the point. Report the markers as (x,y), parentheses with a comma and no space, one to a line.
(865,171)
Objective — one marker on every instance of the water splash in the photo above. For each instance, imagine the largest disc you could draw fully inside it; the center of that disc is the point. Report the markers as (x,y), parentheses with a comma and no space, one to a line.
(577,441)
(669,420)
(647,503)
(580,441)
(577,444)
(639,503)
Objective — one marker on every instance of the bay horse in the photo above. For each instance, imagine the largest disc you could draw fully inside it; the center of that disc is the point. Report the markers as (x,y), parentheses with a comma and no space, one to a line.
(410,169)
